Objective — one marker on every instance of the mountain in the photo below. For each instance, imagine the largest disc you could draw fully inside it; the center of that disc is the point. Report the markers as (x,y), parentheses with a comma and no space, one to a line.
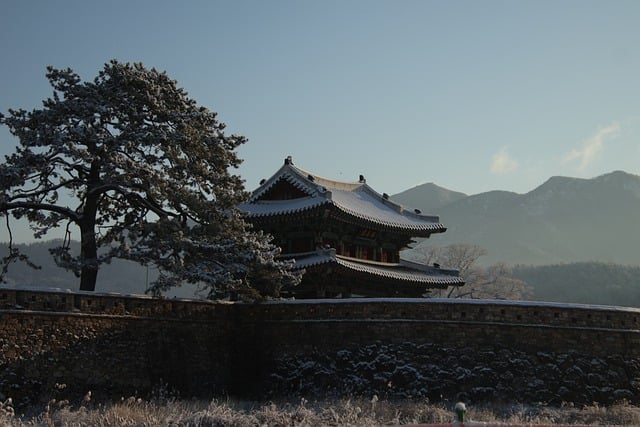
(563,220)
(119,276)
(428,197)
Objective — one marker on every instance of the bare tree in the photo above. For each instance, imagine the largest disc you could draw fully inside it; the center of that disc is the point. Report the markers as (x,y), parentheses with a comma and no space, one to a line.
(493,282)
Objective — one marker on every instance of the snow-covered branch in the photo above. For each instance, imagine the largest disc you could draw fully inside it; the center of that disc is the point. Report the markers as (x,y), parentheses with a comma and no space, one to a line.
(64,211)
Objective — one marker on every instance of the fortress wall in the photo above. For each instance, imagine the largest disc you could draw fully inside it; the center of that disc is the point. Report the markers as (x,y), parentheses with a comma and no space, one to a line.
(119,346)
(529,326)
(112,345)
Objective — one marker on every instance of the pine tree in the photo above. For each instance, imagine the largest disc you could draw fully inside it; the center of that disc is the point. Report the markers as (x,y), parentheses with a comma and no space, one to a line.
(144,173)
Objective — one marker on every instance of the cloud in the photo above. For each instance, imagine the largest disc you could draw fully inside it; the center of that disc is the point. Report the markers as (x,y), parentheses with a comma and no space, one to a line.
(503,163)
(592,146)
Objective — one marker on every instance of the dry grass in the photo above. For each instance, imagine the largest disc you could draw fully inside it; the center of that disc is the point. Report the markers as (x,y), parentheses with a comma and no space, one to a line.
(346,412)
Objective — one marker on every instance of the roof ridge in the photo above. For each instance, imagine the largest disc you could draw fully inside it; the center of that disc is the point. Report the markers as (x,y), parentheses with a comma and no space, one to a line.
(327,182)
(361,185)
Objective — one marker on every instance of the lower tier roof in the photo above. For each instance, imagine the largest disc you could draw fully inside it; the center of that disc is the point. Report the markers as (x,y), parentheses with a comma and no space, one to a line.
(404,271)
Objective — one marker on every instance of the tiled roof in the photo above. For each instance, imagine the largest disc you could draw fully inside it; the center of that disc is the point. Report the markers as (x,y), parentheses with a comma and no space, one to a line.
(406,272)
(354,199)
(282,207)
(400,272)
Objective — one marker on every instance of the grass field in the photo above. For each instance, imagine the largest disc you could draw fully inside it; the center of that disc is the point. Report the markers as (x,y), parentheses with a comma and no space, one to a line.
(345,412)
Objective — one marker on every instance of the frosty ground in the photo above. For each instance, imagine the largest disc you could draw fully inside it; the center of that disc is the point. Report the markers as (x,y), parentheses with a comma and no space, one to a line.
(167,410)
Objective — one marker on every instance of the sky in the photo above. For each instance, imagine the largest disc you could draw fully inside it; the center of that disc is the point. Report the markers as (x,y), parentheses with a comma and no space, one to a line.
(471,95)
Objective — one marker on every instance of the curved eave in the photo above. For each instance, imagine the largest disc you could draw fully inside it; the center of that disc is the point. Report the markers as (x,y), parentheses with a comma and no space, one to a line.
(366,205)
(281,208)
(313,259)
(414,229)
(265,211)
(404,275)
(392,272)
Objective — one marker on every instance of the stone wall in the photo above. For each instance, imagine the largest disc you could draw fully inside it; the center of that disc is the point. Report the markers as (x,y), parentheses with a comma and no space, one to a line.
(119,346)
(447,349)
(62,344)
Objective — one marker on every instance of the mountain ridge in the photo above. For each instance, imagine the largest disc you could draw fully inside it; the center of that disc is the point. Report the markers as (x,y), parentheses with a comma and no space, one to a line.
(562,220)
(436,195)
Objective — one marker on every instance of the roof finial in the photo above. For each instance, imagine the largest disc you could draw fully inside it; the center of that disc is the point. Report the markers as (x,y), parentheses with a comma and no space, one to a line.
(288,160)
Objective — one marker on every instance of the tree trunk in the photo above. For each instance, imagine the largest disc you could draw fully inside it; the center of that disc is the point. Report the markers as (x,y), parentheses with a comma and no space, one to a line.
(89,257)
(88,246)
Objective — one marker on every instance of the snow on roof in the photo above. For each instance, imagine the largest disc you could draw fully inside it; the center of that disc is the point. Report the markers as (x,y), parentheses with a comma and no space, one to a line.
(282,207)
(355,199)
(366,204)
(399,271)
(311,259)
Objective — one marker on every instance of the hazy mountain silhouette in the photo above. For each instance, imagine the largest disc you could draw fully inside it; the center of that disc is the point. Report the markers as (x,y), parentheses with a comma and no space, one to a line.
(563,220)
(430,196)
(119,276)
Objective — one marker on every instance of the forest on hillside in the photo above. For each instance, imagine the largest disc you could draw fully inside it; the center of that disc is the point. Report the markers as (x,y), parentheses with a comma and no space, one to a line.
(583,282)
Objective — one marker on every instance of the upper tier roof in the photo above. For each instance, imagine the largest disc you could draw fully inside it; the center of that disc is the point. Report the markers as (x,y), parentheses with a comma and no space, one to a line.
(355,199)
